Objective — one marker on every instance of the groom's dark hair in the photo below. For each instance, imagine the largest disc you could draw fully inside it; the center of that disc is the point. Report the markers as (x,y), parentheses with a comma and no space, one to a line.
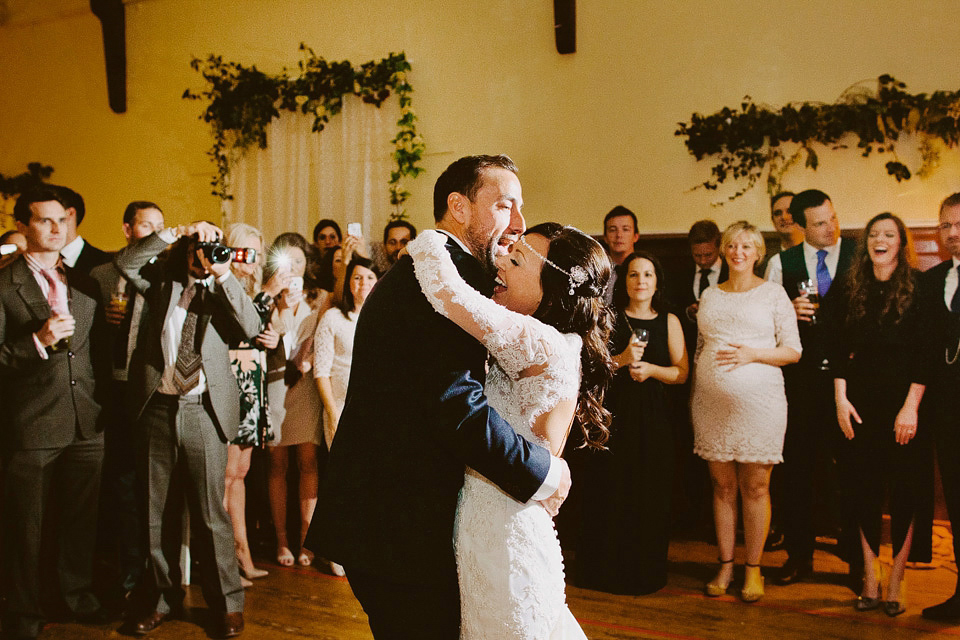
(465,176)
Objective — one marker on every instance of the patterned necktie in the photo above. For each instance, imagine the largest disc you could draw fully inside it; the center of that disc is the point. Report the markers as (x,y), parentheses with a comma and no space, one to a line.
(823,274)
(704,281)
(186,374)
(955,301)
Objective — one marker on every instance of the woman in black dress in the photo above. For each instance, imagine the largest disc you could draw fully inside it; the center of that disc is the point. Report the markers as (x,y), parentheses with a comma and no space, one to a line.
(625,489)
(879,361)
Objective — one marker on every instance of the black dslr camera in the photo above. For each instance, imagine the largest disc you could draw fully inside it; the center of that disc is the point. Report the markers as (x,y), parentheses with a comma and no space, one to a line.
(218,253)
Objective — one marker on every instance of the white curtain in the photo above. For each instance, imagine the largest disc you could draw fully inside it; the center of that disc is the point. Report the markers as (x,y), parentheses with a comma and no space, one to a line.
(302,176)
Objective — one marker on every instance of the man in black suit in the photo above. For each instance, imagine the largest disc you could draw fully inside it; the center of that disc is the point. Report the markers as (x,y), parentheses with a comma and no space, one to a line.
(942,295)
(51,443)
(119,541)
(708,270)
(620,234)
(185,397)
(77,252)
(388,503)
(812,432)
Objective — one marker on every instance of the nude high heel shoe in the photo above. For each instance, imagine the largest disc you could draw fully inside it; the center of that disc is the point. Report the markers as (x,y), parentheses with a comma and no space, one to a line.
(752,584)
(715,588)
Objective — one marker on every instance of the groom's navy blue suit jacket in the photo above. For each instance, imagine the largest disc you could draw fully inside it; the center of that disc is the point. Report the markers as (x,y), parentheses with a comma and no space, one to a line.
(415,414)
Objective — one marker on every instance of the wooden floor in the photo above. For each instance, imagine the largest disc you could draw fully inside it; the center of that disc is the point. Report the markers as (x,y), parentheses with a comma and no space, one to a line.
(305,603)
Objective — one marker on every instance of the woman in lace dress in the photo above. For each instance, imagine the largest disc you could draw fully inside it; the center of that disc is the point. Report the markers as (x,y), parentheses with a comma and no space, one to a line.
(747,331)
(549,345)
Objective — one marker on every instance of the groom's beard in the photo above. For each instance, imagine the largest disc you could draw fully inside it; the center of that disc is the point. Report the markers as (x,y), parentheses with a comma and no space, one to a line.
(483,247)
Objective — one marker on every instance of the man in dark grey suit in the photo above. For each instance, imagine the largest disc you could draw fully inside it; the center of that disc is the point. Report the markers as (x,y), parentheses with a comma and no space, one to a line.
(77,252)
(187,404)
(119,541)
(50,440)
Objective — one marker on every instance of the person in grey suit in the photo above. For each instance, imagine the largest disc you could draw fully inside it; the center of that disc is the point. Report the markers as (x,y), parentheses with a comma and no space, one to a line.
(119,544)
(50,441)
(185,400)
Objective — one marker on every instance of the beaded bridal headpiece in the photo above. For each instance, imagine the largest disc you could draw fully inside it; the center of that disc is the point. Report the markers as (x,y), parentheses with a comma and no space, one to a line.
(577,274)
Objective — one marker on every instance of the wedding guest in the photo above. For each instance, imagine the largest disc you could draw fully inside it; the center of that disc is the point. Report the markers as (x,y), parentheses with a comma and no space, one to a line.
(942,294)
(620,234)
(185,394)
(119,537)
(51,438)
(626,488)
(812,442)
(248,360)
(747,331)
(396,235)
(78,253)
(15,243)
(333,348)
(326,234)
(789,233)
(880,361)
(295,408)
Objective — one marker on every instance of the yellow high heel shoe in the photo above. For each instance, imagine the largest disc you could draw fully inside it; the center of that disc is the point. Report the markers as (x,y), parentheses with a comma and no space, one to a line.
(866,603)
(715,588)
(752,584)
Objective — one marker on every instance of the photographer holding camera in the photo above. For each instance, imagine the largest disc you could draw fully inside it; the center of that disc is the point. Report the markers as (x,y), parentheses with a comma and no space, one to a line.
(185,398)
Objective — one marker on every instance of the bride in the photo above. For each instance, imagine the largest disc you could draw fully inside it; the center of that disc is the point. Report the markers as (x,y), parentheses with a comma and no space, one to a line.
(546,329)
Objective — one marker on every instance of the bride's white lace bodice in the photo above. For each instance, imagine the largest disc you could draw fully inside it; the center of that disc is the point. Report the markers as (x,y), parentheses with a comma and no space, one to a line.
(508,555)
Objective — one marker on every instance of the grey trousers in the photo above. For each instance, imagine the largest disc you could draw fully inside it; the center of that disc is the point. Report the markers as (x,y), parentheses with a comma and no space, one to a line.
(185,464)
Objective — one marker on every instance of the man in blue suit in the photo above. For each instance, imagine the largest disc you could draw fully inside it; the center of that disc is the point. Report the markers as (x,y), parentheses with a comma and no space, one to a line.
(388,503)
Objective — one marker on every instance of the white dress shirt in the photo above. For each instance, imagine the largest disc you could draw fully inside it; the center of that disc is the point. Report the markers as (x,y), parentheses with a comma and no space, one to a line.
(713,277)
(71,251)
(774,271)
(950,283)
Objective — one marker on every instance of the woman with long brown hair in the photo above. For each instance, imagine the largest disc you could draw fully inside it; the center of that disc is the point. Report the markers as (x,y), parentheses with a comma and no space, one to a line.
(879,360)
(551,367)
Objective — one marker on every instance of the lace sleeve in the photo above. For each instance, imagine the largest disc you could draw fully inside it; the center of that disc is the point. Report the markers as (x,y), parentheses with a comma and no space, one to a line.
(323,345)
(785,321)
(516,341)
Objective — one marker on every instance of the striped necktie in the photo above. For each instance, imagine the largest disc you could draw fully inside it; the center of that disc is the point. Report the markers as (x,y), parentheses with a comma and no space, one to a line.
(186,374)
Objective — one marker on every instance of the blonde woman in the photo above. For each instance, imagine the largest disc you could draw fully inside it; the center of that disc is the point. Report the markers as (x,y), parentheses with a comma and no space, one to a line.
(249,366)
(747,331)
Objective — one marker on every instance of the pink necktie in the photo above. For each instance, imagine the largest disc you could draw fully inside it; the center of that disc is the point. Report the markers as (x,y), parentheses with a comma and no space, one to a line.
(57,295)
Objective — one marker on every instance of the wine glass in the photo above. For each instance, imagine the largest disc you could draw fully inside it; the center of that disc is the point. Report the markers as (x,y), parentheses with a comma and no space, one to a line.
(642,336)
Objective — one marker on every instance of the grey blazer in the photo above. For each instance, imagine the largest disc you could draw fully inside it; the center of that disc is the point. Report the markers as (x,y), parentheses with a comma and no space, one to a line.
(228,317)
(47,403)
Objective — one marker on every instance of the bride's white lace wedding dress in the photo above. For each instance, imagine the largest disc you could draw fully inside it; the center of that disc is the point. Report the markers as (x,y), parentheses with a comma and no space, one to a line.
(508,555)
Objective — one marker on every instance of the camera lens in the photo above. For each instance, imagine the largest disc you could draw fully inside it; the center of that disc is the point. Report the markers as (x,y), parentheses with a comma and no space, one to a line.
(219,254)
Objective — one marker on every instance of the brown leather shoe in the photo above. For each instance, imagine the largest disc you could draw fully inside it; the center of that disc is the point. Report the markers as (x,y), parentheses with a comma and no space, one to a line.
(230,626)
(145,625)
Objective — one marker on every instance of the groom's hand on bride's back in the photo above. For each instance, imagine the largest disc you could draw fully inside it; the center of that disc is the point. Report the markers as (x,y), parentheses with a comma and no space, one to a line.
(552,504)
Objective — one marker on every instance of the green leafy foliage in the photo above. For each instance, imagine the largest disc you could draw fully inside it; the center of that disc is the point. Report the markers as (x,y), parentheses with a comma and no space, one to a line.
(749,141)
(242,101)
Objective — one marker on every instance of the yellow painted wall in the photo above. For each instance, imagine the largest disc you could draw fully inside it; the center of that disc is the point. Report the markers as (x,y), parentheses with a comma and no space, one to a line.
(589,130)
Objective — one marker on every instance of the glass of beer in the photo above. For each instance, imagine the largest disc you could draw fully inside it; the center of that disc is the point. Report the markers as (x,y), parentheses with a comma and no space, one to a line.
(808,288)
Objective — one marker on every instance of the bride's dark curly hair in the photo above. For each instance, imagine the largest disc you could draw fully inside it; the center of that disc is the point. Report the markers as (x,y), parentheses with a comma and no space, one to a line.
(584,313)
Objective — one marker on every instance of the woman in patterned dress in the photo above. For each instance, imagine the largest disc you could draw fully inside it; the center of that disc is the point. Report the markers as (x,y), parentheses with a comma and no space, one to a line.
(747,331)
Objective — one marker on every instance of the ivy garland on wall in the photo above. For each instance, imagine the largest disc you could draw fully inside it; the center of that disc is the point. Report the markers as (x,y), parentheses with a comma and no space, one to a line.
(750,141)
(243,100)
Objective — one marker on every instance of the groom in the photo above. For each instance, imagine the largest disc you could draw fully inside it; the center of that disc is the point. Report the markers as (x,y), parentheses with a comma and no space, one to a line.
(388,503)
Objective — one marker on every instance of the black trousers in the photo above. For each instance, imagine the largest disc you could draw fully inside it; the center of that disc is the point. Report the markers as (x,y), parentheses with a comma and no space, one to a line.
(119,540)
(185,464)
(403,611)
(35,479)
(812,444)
(948,448)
